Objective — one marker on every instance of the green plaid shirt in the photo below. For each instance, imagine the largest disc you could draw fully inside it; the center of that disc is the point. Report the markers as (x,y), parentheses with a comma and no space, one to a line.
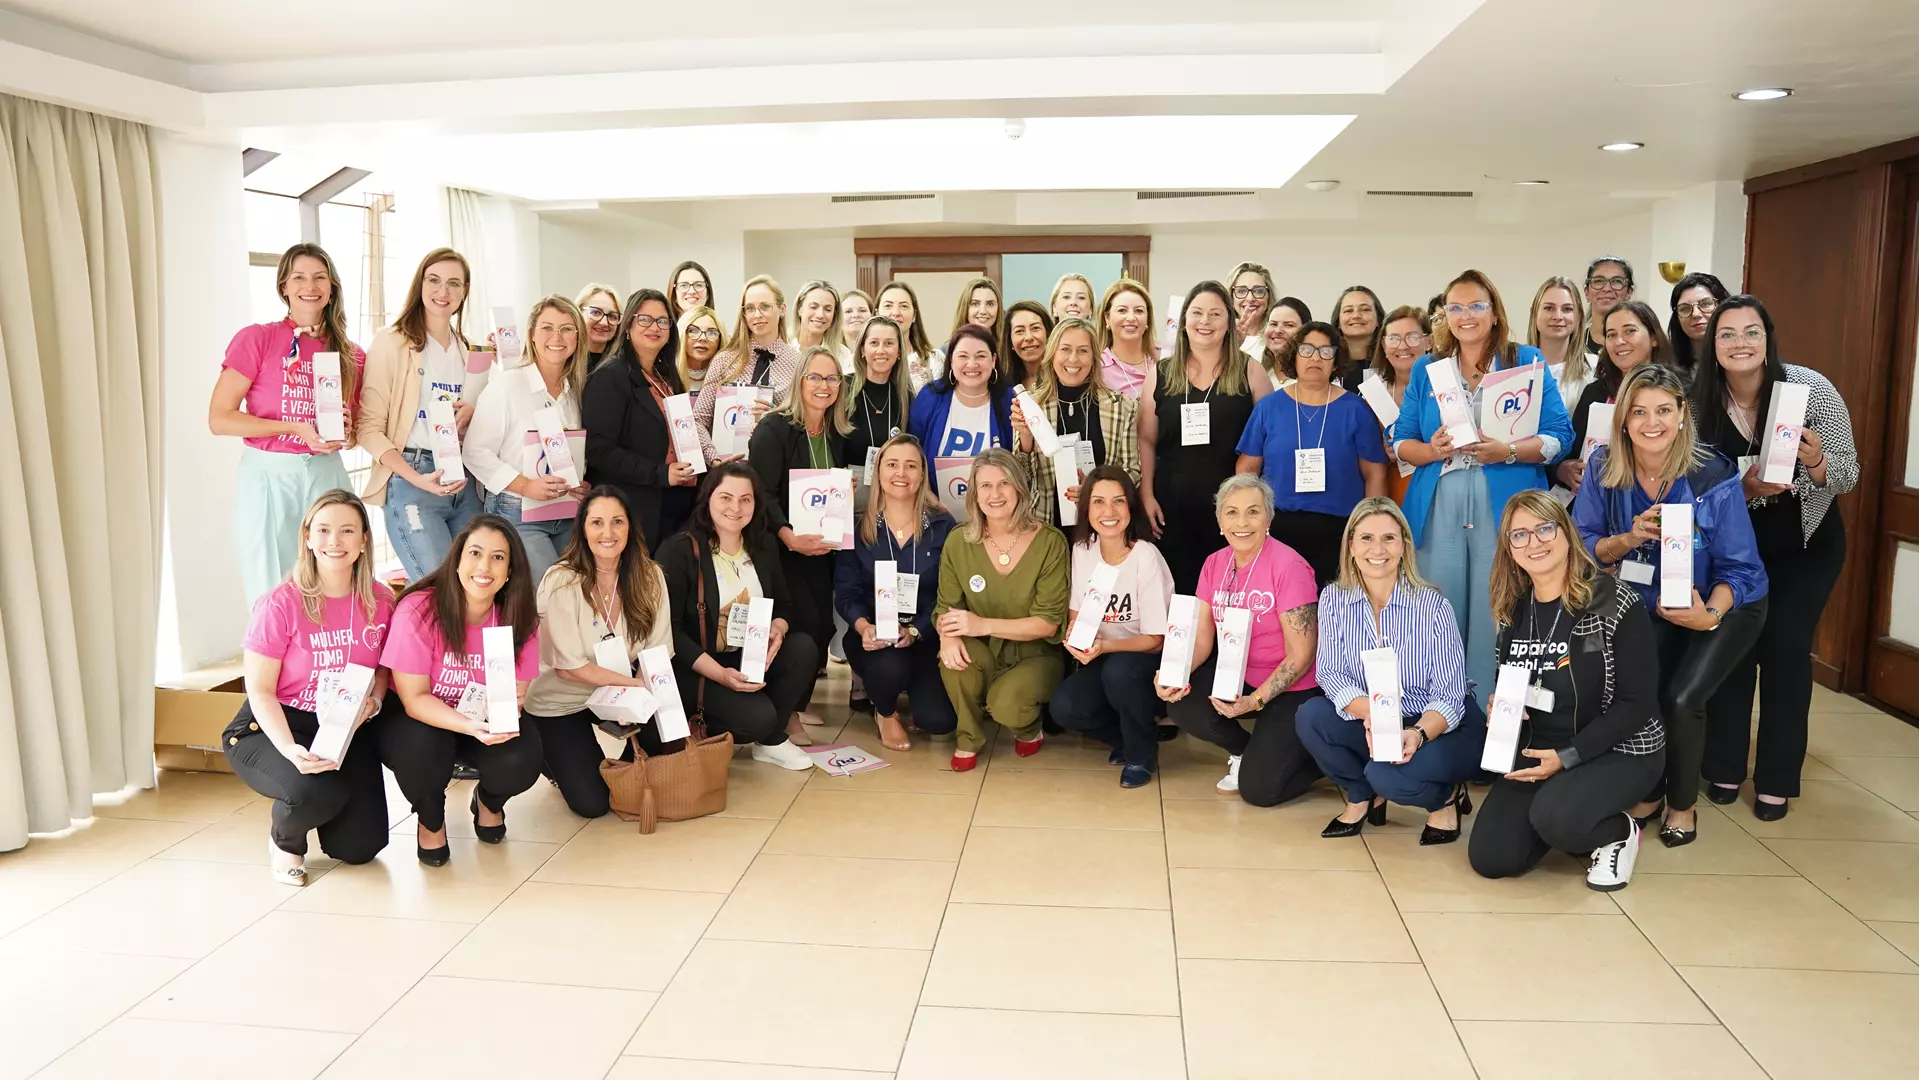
(1118,428)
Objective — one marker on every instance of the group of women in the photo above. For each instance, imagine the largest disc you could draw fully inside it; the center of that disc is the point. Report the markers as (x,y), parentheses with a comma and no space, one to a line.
(1253,464)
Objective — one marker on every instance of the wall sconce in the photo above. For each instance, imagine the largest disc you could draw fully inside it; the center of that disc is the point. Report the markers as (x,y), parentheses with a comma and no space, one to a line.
(1672,271)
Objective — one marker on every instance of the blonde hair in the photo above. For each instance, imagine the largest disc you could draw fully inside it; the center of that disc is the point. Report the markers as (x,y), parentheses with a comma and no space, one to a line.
(1500,347)
(1510,582)
(1023,517)
(305,575)
(832,335)
(849,295)
(739,344)
(687,319)
(795,407)
(595,287)
(1272,295)
(575,375)
(924,502)
(1349,577)
(1685,451)
(914,340)
(1052,303)
(1232,379)
(1046,387)
(1576,365)
(1149,344)
(966,300)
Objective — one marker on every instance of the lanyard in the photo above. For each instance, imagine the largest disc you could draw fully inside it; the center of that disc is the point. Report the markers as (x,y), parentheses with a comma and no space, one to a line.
(893,545)
(1232,572)
(1659,498)
(1299,435)
(606,609)
(867,413)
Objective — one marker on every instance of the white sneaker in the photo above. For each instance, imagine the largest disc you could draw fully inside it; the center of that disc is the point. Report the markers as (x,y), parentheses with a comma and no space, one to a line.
(1229,784)
(1611,868)
(785,755)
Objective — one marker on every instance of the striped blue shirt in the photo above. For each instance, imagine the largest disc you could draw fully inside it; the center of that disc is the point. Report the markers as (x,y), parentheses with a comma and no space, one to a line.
(1418,624)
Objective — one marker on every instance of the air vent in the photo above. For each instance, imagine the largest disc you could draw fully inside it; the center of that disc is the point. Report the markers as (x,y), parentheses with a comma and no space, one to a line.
(881,198)
(1144,195)
(1424,194)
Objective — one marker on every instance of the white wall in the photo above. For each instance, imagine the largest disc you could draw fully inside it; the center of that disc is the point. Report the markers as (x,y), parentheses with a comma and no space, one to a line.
(570,256)
(793,259)
(655,253)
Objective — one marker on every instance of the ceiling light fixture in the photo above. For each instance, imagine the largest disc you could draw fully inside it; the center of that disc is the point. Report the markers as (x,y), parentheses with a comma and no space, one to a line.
(1621,147)
(1322,185)
(1531,183)
(1764,93)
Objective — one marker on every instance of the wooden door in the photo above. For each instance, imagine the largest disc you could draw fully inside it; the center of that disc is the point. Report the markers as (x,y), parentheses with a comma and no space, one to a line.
(1892,646)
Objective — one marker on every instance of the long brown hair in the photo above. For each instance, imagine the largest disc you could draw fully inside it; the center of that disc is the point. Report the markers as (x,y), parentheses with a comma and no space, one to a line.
(1232,378)
(915,339)
(642,593)
(332,317)
(1501,349)
(926,503)
(306,568)
(1511,584)
(412,321)
(515,605)
(966,301)
(1149,343)
(897,378)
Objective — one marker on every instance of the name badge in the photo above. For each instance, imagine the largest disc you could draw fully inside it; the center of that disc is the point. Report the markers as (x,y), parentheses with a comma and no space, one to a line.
(872,462)
(1538,697)
(610,653)
(736,616)
(1309,469)
(1636,572)
(1195,424)
(909,593)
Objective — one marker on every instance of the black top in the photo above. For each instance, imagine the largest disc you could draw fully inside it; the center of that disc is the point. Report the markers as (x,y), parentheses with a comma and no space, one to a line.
(1541,642)
(627,440)
(1186,477)
(694,621)
(1601,703)
(1079,415)
(1777,525)
(877,416)
(778,444)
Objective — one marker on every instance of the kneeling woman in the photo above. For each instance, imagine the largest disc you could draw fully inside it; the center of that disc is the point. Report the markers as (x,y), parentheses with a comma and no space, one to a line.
(1257,573)
(601,605)
(1110,695)
(1380,601)
(1592,743)
(328,613)
(727,558)
(435,652)
(1002,609)
(905,525)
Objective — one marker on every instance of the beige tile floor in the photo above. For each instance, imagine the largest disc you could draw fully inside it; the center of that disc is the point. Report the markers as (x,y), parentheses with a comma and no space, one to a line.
(1027,919)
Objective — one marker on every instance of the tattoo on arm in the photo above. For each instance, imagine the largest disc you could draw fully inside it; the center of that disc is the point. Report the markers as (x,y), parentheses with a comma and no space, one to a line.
(1282,677)
(1303,618)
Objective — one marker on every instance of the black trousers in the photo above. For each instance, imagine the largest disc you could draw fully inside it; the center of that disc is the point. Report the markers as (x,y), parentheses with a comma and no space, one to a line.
(1780,665)
(1274,765)
(346,805)
(1315,536)
(422,757)
(1112,700)
(1692,665)
(810,579)
(1573,811)
(760,717)
(572,755)
(912,673)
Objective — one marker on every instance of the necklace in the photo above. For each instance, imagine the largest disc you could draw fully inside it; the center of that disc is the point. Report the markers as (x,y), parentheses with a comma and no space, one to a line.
(966,399)
(1005,554)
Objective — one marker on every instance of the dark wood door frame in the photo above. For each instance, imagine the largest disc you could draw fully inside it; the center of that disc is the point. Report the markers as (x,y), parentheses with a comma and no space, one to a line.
(1892,667)
(880,257)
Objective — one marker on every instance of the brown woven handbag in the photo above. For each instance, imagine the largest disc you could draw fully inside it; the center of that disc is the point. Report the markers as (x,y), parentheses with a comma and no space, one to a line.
(675,787)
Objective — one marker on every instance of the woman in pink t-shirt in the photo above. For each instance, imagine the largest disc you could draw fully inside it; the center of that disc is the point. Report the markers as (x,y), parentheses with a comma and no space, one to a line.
(484,582)
(267,395)
(1257,574)
(330,613)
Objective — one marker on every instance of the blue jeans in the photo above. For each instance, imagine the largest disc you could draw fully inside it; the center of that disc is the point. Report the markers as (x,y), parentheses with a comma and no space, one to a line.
(1112,700)
(419,524)
(1457,557)
(1338,745)
(544,540)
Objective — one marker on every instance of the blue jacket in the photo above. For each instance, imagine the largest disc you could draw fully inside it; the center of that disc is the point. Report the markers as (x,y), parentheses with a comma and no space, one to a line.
(1419,419)
(1723,548)
(853,570)
(927,421)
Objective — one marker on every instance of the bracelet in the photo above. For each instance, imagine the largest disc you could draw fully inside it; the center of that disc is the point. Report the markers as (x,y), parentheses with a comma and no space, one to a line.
(1820,464)
(1423,737)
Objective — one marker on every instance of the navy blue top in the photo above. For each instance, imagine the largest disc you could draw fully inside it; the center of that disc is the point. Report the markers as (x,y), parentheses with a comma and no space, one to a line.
(853,570)
(1344,427)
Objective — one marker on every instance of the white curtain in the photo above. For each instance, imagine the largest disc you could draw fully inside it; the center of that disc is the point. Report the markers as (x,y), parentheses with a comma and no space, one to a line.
(467,227)
(80,462)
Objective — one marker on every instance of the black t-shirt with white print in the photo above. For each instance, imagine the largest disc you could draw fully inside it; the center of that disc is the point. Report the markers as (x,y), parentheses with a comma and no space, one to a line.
(1542,643)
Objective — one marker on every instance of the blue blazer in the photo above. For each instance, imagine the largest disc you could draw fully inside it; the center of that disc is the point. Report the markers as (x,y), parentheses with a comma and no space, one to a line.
(853,570)
(1419,419)
(927,420)
(1723,547)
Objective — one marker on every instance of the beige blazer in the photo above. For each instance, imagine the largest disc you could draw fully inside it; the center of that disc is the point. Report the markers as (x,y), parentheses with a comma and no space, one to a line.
(389,396)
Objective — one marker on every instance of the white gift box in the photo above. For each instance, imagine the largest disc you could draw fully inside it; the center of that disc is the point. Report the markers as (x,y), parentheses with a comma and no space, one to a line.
(329,404)
(1176,653)
(1598,428)
(631,705)
(1382,692)
(1066,461)
(886,600)
(502,691)
(1235,626)
(1380,397)
(506,336)
(819,502)
(1455,405)
(1675,555)
(1169,318)
(685,429)
(734,419)
(1504,719)
(1092,605)
(553,442)
(342,696)
(656,667)
(759,632)
(1044,437)
(1785,423)
(445,434)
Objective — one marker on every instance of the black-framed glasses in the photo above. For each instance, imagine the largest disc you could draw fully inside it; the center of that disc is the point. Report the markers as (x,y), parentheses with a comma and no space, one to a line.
(1703,307)
(1545,532)
(1614,283)
(685,287)
(647,322)
(1324,352)
(702,333)
(600,314)
(1251,292)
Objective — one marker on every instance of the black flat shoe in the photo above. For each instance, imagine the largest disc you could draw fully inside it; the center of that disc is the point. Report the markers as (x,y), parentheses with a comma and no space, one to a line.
(1722,796)
(489,834)
(1648,819)
(1376,813)
(1339,830)
(1166,732)
(1462,804)
(1769,811)
(860,704)
(436,856)
(1672,837)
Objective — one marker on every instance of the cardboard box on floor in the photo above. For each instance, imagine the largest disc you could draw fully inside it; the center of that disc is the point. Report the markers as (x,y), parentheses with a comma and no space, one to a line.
(190,712)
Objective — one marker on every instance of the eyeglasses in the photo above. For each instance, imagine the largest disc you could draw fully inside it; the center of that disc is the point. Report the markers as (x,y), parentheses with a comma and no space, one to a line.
(569,330)
(686,287)
(702,333)
(817,379)
(1611,283)
(1703,307)
(1477,307)
(759,309)
(1545,533)
(1754,334)
(1406,339)
(600,314)
(1251,292)
(647,322)
(1324,352)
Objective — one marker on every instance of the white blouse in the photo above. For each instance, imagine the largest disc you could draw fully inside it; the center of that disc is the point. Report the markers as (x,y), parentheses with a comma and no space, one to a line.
(495,445)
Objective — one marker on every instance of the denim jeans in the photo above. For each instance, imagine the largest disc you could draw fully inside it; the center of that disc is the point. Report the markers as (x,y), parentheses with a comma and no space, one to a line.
(420,524)
(544,540)
(1457,557)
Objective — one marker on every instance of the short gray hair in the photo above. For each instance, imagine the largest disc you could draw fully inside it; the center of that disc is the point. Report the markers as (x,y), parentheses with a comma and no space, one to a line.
(1242,482)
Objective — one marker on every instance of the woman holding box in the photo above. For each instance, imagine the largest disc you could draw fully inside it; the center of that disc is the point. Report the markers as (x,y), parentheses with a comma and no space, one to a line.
(904,524)
(1380,602)
(504,435)
(601,606)
(1590,740)
(1109,694)
(1801,539)
(329,613)
(1656,461)
(1077,407)
(1001,609)
(755,355)
(1318,446)
(436,651)
(726,559)
(1267,580)
(629,443)
(288,462)
(421,359)
(1454,500)
(1633,338)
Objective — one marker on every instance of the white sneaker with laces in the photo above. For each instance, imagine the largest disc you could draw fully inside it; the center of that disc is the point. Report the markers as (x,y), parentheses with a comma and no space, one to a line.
(1611,867)
(1229,784)
(785,755)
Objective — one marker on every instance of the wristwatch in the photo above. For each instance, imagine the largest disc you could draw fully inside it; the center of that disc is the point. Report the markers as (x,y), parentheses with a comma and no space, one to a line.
(1512,453)
(1718,617)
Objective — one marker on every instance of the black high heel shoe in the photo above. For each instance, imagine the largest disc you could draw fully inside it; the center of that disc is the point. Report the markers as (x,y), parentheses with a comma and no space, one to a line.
(489,834)
(1462,804)
(1339,830)
(1376,813)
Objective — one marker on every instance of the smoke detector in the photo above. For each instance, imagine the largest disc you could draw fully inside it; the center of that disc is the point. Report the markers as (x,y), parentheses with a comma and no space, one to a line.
(1015,128)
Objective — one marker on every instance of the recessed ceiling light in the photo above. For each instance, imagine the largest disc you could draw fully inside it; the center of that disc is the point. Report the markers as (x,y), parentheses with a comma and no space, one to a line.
(1622,147)
(1532,183)
(1765,93)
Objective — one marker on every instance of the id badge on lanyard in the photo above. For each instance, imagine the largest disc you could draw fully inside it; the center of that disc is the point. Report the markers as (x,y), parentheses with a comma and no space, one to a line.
(1195,424)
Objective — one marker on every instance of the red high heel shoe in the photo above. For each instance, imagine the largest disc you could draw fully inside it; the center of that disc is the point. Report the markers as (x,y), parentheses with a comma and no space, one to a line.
(965,762)
(1028,749)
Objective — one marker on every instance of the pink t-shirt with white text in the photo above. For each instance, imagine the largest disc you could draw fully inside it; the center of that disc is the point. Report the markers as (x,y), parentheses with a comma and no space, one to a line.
(413,648)
(1277,581)
(281,381)
(305,649)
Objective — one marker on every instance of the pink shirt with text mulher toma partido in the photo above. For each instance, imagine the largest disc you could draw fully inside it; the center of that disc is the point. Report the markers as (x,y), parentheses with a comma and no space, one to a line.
(413,648)
(281,379)
(307,650)
(1275,582)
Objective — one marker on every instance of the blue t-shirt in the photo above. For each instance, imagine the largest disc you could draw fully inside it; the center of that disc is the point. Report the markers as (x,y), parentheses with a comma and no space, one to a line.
(1344,427)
